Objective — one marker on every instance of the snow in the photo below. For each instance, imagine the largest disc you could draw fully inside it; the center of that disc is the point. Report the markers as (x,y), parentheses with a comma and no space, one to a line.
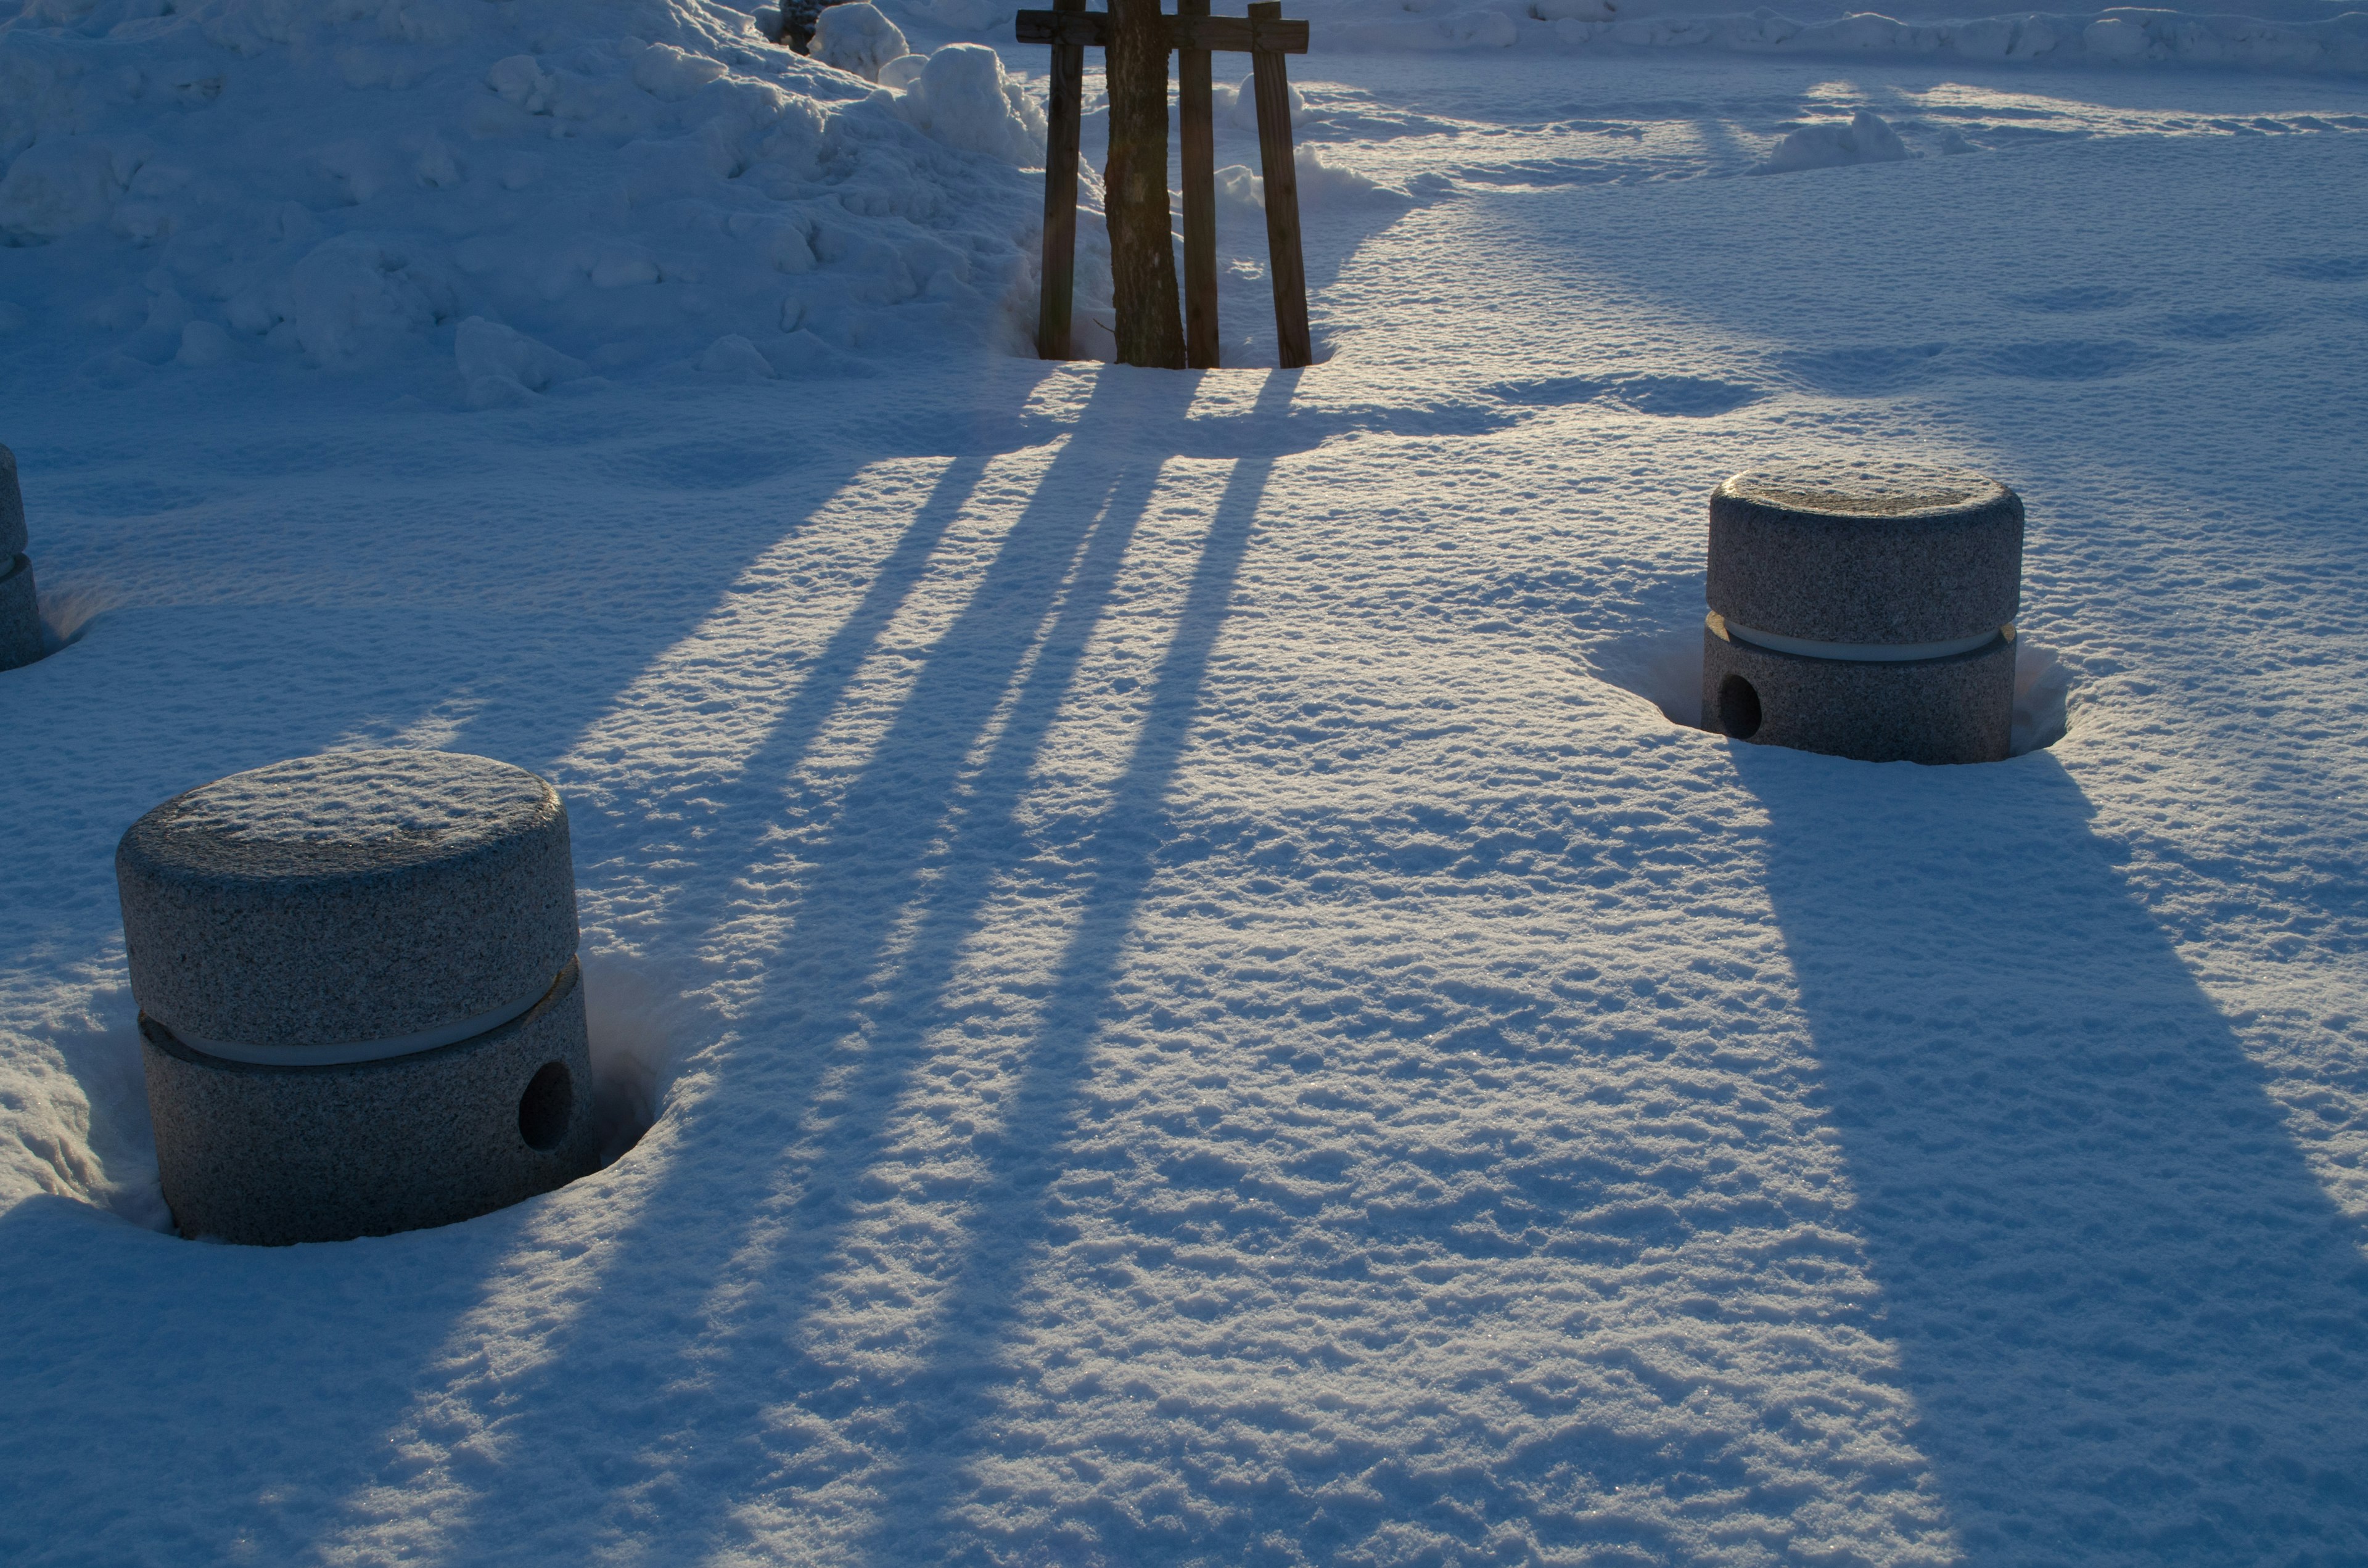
(856,36)
(1867,138)
(346,185)
(1188,1002)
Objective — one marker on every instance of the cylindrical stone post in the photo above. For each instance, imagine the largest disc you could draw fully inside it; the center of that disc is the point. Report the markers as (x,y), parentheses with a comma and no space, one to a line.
(20,612)
(360,1006)
(1864,610)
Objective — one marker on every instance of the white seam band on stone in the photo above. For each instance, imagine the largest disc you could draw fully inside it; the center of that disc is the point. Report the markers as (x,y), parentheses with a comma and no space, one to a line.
(362,1050)
(1863,652)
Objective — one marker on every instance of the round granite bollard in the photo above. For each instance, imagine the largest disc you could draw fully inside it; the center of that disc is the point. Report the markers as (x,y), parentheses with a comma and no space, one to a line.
(1864,610)
(359,997)
(20,612)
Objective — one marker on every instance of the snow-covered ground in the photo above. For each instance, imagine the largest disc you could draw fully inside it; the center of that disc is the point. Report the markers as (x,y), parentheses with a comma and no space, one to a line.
(1195,1008)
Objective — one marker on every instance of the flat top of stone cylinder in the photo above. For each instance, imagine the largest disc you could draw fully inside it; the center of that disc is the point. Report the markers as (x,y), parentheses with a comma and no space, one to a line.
(344,811)
(363,797)
(1873,490)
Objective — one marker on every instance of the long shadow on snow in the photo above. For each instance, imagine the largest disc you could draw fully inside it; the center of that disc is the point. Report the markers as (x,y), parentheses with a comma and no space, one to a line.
(716,504)
(919,1522)
(2130,1316)
(372,1354)
(880,917)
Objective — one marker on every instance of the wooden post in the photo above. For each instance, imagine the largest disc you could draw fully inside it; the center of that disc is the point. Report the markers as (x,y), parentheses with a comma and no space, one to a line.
(1197,122)
(1135,39)
(1061,121)
(1285,259)
(1143,251)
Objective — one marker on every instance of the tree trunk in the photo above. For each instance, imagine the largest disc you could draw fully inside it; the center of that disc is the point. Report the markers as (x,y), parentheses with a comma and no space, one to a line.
(1142,252)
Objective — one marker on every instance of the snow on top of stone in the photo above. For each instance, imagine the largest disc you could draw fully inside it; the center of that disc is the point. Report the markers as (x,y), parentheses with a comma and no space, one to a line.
(366,797)
(1865,489)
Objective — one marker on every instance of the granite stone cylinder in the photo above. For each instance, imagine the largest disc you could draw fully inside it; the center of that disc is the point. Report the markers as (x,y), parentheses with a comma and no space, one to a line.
(20,614)
(21,610)
(359,997)
(1864,610)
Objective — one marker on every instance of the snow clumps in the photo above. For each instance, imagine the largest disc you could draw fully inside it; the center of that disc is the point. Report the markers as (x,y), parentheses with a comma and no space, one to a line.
(961,97)
(515,199)
(856,36)
(1867,138)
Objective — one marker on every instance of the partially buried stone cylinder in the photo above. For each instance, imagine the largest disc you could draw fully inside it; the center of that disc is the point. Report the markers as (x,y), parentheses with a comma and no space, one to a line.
(20,611)
(1864,610)
(359,1004)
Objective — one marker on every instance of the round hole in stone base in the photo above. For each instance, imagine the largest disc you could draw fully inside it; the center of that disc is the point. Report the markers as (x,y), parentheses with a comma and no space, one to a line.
(547,1107)
(1738,708)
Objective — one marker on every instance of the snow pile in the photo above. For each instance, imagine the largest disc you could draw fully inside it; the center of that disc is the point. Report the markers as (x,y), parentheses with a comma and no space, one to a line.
(1237,105)
(856,36)
(961,97)
(1325,180)
(1867,138)
(527,195)
(2302,35)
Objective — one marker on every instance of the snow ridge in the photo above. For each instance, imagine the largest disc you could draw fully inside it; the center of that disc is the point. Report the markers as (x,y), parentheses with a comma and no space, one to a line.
(541,192)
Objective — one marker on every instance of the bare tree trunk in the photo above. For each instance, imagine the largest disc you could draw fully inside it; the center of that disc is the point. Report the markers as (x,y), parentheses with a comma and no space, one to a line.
(1142,252)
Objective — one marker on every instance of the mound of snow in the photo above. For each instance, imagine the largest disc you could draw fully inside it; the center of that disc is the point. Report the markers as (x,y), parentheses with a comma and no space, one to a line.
(515,193)
(960,97)
(1325,180)
(1867,138)
(1238,106)
(856,36)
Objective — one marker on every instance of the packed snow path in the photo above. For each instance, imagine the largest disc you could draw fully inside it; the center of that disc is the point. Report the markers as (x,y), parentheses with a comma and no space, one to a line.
(1199,1016)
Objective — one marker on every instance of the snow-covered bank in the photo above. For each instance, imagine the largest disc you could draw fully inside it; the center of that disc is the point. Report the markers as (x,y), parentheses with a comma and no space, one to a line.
(2308,37)
(2334,44)
(596,188)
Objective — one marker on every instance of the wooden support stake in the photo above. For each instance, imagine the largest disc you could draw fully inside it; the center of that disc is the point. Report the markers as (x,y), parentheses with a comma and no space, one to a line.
(1090,30)
(1196,118)
(1062,117)
(1285,259)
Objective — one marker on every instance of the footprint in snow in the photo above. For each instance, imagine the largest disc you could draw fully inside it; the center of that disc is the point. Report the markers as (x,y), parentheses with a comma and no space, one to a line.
(2080,298)
(2216,326)
(2323,269)
(1865,372)
(1875,369)
(1692,397)
(2065,361)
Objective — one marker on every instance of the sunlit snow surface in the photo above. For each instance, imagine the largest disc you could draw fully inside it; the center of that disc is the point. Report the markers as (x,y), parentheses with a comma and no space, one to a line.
(1197,1015)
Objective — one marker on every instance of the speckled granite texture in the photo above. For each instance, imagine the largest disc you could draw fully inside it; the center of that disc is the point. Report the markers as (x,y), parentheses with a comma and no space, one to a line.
(271,1155)
(20,615)
(349,897)
(13,540)
(1874,552)
(1935,711)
